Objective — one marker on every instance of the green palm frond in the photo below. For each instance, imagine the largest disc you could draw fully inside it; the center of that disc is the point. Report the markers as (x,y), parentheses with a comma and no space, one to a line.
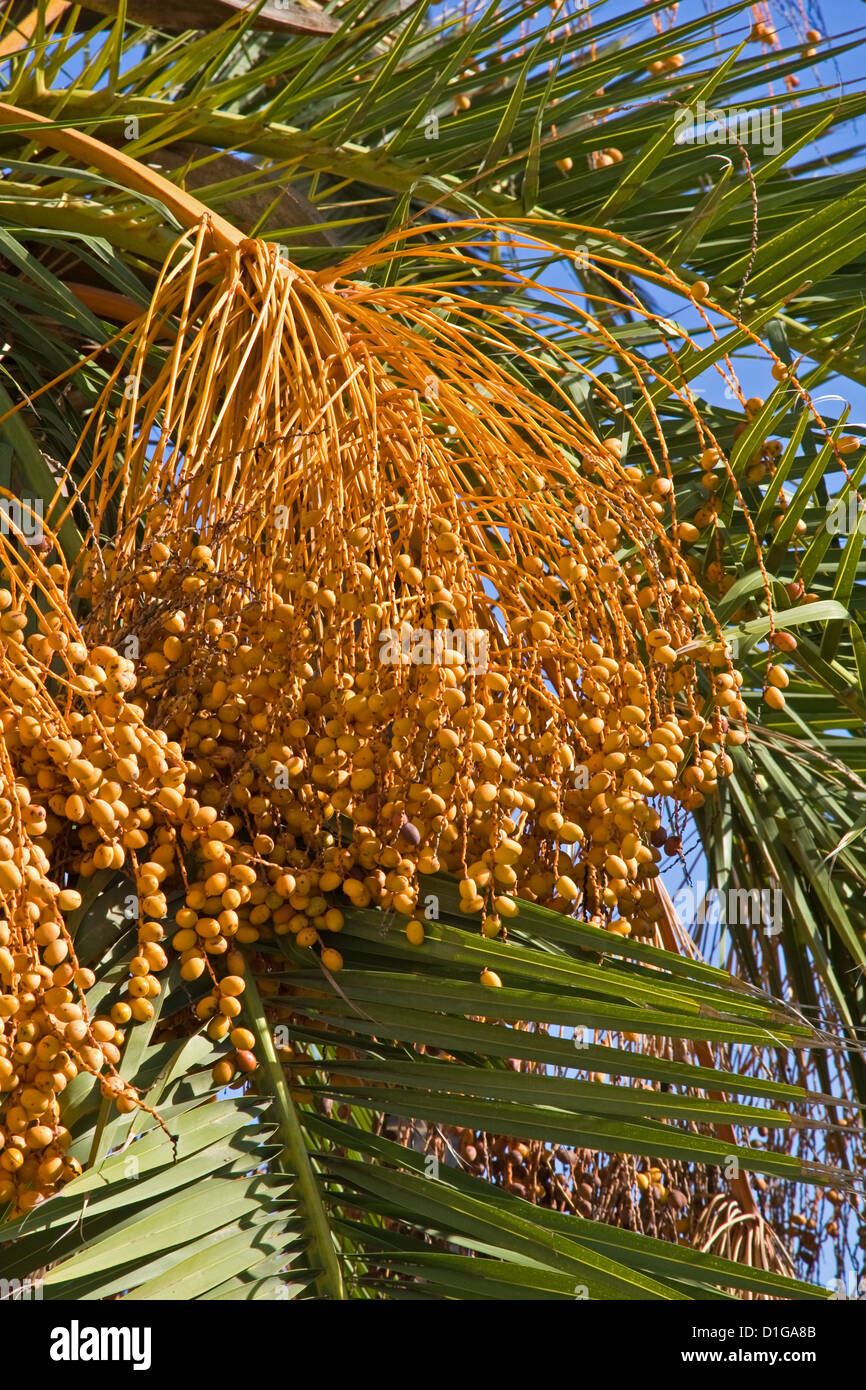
(251,1194)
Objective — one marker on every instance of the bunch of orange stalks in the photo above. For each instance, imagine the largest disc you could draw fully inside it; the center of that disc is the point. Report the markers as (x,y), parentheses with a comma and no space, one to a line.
(358,604)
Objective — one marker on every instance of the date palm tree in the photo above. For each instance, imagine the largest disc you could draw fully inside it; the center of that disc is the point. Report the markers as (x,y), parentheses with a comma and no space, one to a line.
(626,1120)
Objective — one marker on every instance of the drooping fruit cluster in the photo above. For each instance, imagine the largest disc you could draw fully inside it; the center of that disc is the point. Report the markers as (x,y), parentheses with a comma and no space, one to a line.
(290,710)
(349,629)
(77,768)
